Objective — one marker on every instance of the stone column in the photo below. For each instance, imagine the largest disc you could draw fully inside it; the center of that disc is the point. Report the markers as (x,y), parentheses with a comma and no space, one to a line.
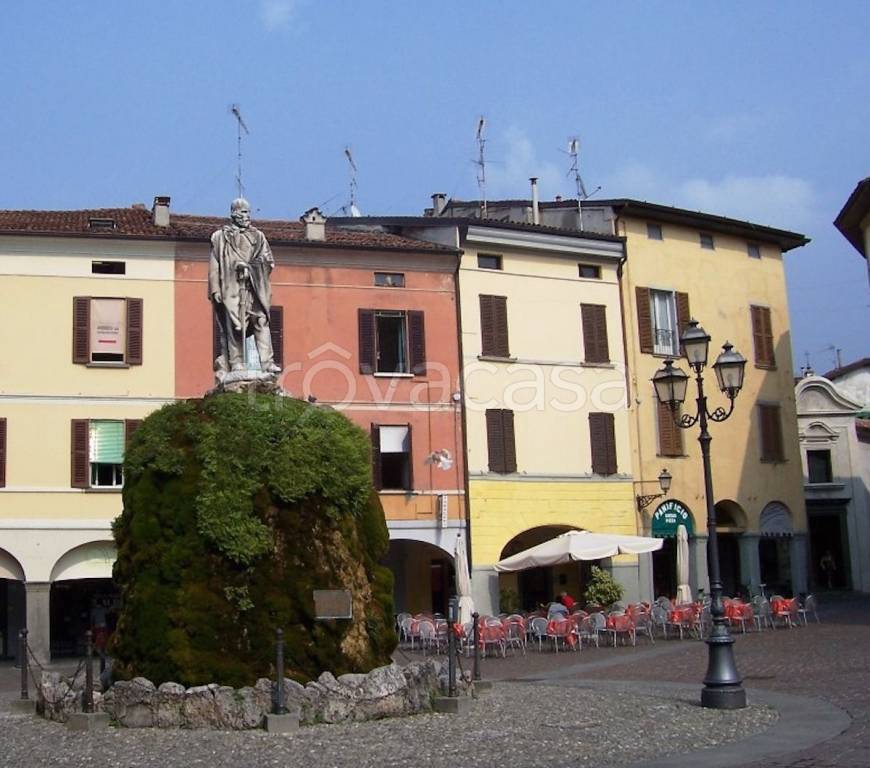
(484,589)
(645,576)
(750,563)
(799,563)
(38,595)
(699,578)
(627,575)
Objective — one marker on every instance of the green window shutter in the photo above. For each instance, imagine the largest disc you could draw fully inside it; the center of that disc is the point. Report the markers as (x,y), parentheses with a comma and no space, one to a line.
(106,442)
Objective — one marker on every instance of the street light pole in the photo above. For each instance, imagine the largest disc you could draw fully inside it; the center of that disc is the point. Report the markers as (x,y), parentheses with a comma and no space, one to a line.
(722,683)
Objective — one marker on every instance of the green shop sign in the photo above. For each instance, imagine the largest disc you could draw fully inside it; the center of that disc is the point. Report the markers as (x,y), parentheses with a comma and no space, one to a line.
(668,516)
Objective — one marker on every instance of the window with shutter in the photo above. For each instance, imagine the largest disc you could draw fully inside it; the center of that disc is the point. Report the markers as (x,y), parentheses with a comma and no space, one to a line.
(494,338)
(276,329)
(603,443)
(771,433)
(134,332)
(762,337)
(594,320)
(81,330)
(644,319)
(130,426)
(670,435)
(417,342)
(391,457)
(2,452)
(500,441)
(683,315)
(366,341)
(79,454)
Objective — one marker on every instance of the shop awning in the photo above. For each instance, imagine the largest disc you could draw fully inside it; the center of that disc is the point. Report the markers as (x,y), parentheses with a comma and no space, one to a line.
(578,545)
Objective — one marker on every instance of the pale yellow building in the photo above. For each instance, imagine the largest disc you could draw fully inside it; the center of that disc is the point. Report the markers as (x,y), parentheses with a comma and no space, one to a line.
(729,275)
(87,328)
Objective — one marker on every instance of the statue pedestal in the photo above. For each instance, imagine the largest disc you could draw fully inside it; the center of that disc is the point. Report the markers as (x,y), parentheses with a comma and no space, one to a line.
(249,382)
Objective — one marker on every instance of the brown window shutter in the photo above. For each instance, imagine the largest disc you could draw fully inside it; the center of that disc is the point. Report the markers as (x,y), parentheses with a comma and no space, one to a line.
(276,329)
(603,443)
(644,319)
(366,341)
(683,315)
(670,435)
(495,440)
(134,332)
(130,426)
(487,326)
(417,342)
(594,320)
(81,330)
(502,340)
(80,458)
(762,337)
(771,433)
(376,457)
(510,444)
(2,453)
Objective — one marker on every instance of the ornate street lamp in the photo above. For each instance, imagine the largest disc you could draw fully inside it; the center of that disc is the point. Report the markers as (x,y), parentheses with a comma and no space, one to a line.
(664,483)
(722,683)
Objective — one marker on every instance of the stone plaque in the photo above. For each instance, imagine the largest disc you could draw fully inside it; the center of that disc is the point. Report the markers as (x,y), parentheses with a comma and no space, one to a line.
(333,604)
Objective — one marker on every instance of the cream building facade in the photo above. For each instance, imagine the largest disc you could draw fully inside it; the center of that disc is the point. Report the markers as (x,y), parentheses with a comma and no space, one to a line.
(86,323)
(729,275)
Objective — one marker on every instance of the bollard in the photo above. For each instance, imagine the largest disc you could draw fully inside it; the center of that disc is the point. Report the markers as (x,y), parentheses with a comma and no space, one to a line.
(280,709)
(88,700)
(474,617)
(452,611)
(22,656)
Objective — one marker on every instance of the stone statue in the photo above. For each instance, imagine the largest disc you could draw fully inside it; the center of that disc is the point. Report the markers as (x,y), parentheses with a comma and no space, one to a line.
(241,294)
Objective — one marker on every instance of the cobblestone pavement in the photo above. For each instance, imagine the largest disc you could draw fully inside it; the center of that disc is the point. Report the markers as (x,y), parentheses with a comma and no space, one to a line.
(520,721)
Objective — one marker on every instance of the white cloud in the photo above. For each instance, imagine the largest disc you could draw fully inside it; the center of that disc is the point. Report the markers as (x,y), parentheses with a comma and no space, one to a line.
(278,14)
(776,200)
(510,164)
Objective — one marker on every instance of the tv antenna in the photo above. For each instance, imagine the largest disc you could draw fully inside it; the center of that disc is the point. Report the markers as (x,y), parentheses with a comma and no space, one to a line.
(574,172)
(240,126)
(351,207)
(481,164)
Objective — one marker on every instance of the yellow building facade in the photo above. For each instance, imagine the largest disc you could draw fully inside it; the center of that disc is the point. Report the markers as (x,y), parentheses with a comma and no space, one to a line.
(87,327)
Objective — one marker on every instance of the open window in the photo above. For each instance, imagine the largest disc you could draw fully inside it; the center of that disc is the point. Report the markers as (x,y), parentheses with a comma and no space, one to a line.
(107,331)
(97,451)
(392,341)
(391,457)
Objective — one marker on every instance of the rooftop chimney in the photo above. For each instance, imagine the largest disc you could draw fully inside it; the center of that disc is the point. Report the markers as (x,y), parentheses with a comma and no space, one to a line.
(160,211)
(315,224)
(536,211)
(439,203)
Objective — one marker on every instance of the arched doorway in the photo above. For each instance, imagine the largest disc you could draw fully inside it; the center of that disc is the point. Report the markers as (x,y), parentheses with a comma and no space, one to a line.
(668,516)
(730,525)
(528,589)
(423,576)
(12,604)
(774,548)
(83,596)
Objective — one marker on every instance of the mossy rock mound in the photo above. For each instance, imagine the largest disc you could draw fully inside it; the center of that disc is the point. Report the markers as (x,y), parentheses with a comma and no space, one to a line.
(237,507)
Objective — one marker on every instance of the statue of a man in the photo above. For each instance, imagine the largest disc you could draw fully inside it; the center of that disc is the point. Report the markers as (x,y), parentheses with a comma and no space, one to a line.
(239,288)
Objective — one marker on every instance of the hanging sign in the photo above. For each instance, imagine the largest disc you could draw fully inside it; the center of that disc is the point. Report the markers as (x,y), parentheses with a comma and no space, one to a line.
(668,516)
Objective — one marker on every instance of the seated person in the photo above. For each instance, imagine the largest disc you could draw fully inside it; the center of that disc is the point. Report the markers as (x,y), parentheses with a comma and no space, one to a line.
(568,601)
(556,610)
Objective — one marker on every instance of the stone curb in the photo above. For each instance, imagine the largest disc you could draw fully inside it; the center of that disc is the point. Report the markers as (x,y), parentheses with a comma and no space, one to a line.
(803,722)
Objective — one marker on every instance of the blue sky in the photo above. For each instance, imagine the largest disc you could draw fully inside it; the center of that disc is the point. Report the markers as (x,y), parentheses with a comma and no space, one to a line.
(746,109)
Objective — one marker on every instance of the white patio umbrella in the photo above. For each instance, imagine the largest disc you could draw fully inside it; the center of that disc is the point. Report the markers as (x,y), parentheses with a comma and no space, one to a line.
(463,581)
(684,591)
(578,545)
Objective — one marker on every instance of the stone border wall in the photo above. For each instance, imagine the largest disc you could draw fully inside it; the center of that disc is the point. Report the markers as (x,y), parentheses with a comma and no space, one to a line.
(391,691)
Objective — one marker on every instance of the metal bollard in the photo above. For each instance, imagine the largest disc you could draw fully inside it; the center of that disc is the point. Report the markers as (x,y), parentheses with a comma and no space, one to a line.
(22,656)
(88,700)
(280,709)
(452,618)
(475,616)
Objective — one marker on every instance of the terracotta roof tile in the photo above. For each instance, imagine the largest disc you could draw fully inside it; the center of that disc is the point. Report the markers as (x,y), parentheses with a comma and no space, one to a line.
(136,223)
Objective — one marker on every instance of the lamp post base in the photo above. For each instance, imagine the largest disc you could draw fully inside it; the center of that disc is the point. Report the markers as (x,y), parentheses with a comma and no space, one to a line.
(722,684)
